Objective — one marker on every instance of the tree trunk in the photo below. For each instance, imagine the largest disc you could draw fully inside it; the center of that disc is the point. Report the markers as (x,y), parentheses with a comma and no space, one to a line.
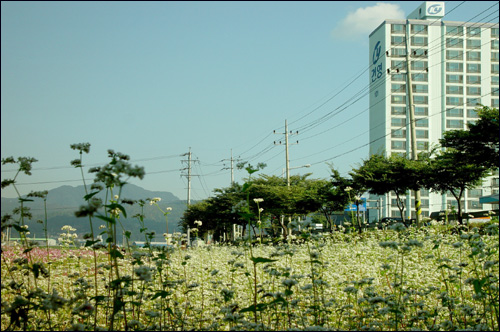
(283,226)
(357,217)
(459,198)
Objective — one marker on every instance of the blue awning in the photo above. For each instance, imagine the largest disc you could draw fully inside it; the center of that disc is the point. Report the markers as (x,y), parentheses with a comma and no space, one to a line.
(491,199)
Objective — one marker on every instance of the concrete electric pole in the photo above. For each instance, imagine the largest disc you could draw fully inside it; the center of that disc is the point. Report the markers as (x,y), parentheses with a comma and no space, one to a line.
(411,115)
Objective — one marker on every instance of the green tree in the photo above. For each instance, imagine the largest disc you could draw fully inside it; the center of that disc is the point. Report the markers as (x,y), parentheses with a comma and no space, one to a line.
(480,142)
(217,213)
(452,171)
(381,175)
(467,157)
(299,199)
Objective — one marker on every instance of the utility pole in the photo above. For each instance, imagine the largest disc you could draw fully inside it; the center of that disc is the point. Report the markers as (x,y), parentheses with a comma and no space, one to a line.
(411,114)
(189,179)
(188,168)
(287,162)
(232,169)
(232,160)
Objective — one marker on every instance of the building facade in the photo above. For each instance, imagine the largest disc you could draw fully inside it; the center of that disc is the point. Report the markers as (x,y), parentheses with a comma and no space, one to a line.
(453,67)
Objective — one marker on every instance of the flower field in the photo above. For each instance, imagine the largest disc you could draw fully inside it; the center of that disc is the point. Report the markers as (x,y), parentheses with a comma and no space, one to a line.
(395,279)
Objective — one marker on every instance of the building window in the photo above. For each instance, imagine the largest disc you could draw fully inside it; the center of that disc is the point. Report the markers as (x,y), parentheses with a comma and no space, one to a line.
(454,67)
(398,122)
(398,52)
(421,111)
(473,43)
(495,182)
(494,56)
(454,90)
(456,31)
(454,55)
(418,41)
(398,99)
(420,88)
(494,44)
(474,205)
(420,77)
(398,145)
(494,68)
(455,124)
(494,32)
(418,28)
(420,100)
(458,101)
(473,67)
(475,193)
(419,65)
(494,80)
(399,133)
(398,77)
(422,123)
(474,90)
(473,32)
(473,102)
(472,113)
(401,65)
(398,110)
(398,87)
(420,52)
(494,91)
(455,112)
(422,133)
(422,146)
(473,56)
(398,40)
(473,79)
(455,79)
(454,42)
(453,202)
(494,102)
(398,28)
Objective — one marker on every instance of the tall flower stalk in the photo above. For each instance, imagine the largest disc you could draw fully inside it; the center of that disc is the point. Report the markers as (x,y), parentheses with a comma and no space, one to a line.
(259,210)
(111,175)
(91,206)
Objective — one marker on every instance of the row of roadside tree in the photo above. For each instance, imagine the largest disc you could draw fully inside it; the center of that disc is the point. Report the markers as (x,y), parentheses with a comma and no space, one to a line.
(460,162)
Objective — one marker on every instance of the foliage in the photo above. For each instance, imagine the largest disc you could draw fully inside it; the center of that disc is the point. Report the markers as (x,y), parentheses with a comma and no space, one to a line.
(217,212)
(480,142)
(451,171)
(397,174)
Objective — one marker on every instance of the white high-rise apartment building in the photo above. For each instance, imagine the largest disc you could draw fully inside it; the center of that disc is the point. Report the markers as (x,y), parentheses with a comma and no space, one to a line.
(453,67)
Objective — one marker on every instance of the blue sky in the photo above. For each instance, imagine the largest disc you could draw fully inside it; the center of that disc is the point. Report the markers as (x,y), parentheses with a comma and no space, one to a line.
(153,79)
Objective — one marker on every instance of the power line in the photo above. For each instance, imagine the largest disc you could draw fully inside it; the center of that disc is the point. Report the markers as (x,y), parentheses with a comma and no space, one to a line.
(91,165)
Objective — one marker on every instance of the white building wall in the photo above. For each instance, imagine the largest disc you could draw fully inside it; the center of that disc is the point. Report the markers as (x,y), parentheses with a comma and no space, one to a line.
(381,96)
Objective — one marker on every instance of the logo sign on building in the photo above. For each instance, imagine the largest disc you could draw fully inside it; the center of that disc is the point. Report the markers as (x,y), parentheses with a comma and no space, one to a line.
(435,9)
(377,69)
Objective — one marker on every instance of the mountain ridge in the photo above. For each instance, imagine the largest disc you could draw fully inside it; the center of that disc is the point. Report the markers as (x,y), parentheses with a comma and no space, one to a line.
(64,201)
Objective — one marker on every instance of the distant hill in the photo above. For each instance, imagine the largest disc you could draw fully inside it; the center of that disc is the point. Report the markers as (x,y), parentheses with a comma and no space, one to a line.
(62,203)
